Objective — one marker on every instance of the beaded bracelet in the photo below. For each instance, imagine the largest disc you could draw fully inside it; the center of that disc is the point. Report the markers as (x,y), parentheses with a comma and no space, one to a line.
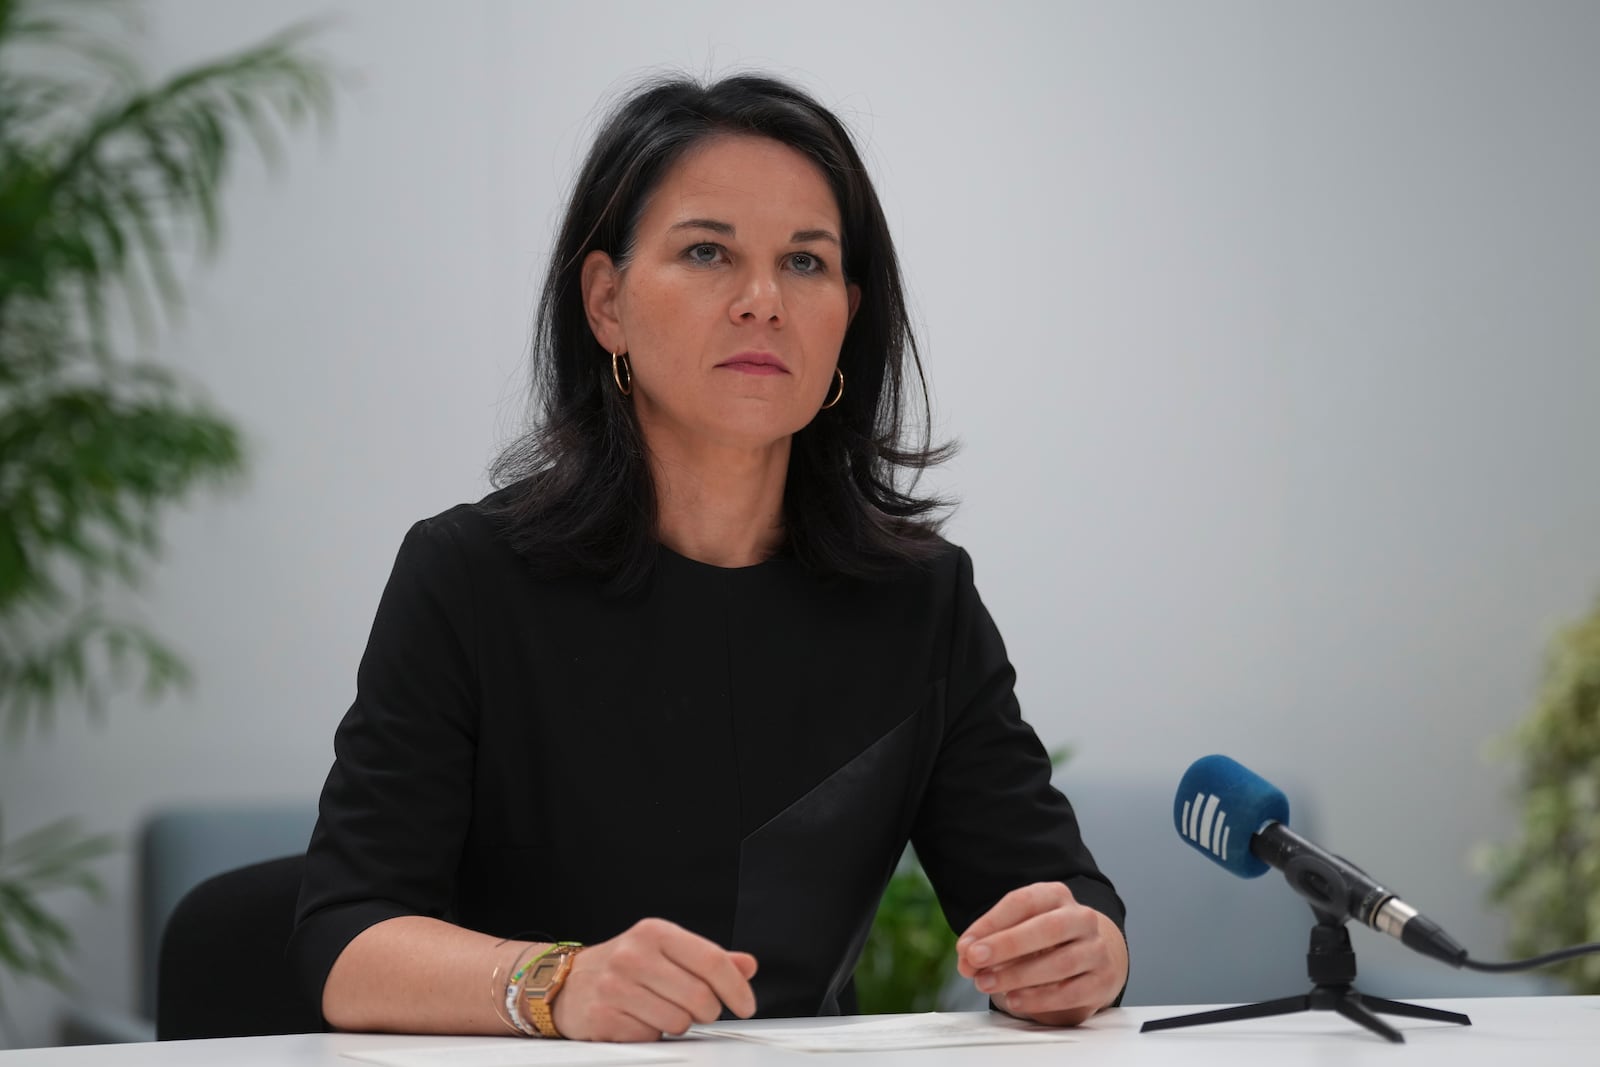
(514,1003)
(512,1018)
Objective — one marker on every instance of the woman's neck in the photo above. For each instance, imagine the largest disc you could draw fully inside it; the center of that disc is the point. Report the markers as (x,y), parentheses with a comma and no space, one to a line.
(720,505)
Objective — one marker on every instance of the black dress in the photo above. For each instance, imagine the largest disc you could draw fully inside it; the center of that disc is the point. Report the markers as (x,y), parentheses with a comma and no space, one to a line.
(744,752)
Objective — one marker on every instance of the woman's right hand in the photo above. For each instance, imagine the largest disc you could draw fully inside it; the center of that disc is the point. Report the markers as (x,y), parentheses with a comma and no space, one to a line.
(654,978)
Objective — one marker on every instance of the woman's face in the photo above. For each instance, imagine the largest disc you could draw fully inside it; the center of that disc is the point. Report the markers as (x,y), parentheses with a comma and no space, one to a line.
(734,305)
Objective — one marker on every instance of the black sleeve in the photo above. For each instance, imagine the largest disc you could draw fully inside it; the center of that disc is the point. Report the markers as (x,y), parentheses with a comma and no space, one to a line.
(990,821)
(395,808)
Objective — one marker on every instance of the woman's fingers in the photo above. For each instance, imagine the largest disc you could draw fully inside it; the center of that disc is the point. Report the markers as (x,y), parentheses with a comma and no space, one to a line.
(1035,943)
(683,989)
(1025,921)
(715,967)
(654,978)
(1052,965)
(661,1015)
(1043,955)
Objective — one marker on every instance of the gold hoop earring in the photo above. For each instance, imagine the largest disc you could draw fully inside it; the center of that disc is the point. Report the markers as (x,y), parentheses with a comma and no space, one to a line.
(838,396)
(622,373)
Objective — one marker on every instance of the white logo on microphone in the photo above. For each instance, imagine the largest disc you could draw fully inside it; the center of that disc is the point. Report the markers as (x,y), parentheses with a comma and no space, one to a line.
(1205,825)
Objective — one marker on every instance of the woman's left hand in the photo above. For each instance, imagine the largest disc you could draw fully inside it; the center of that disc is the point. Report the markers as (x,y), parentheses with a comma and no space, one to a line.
(1043,956)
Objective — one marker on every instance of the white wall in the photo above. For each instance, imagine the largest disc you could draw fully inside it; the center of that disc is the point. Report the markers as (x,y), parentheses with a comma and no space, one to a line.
(1271,330)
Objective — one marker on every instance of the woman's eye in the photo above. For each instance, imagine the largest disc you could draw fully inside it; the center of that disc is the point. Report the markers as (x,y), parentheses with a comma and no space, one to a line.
(806,263)
(704,253)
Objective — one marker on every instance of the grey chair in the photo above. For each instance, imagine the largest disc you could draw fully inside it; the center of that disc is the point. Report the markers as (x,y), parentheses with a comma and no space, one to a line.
(243,914)
(178,848)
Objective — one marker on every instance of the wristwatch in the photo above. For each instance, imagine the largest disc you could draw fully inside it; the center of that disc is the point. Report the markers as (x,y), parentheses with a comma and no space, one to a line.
(545,979)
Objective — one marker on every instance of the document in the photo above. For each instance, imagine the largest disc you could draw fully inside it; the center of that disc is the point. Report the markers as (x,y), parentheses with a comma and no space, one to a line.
(519,1054)
(931,1030)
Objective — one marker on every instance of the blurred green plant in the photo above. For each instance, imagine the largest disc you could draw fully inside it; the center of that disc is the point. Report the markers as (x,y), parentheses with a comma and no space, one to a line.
(105,181)
(910,956)
(1549,880)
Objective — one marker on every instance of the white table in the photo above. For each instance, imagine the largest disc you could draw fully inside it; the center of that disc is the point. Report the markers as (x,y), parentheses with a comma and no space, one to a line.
(1515,1031)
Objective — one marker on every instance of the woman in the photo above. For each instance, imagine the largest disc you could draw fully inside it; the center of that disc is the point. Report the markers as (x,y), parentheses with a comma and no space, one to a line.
(682,691)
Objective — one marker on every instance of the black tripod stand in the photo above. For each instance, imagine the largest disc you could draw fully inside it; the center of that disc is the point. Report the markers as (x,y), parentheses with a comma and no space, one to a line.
(1332,966)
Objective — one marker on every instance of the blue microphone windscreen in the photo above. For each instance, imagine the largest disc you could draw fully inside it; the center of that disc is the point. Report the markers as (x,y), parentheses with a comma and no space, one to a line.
(1220,805)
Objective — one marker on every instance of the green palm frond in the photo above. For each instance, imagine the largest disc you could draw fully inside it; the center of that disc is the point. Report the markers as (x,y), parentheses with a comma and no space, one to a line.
(33,942)
(97,205)
(105,184)
(84,656)
(108,187)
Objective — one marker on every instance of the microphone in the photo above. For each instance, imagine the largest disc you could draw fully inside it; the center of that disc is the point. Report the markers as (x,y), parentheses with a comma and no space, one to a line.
(1239,820)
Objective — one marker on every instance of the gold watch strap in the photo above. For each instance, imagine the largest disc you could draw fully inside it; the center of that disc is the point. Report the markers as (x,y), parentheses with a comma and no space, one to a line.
(541,1002)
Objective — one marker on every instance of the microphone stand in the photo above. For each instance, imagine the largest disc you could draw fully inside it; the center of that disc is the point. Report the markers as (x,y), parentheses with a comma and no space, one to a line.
(1331,963)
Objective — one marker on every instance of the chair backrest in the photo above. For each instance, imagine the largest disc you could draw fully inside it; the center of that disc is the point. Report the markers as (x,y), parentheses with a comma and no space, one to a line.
(1196,933)
(181,847)
(223,971)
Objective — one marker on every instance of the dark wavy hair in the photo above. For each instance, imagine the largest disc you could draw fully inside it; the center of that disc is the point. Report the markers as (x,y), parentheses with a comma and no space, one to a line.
(576,490)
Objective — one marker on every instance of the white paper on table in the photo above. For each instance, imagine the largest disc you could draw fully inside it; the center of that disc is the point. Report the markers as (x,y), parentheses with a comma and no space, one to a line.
(930,1030)
(517,1054)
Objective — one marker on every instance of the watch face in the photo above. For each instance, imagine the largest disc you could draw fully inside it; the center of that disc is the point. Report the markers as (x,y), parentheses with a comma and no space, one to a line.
(544,972)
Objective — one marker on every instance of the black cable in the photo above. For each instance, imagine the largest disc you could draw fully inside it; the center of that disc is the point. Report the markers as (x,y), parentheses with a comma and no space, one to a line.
(1536,961)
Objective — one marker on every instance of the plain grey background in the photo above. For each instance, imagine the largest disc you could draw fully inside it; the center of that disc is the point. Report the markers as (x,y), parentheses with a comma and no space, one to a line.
(1270,329)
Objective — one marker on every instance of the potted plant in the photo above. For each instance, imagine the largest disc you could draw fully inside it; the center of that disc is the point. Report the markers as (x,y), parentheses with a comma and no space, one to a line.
(909,957)
(104,181)
(1549,880)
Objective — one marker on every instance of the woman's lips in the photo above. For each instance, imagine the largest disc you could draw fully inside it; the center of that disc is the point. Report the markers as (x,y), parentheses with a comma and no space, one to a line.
(752,368)
(755,363)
